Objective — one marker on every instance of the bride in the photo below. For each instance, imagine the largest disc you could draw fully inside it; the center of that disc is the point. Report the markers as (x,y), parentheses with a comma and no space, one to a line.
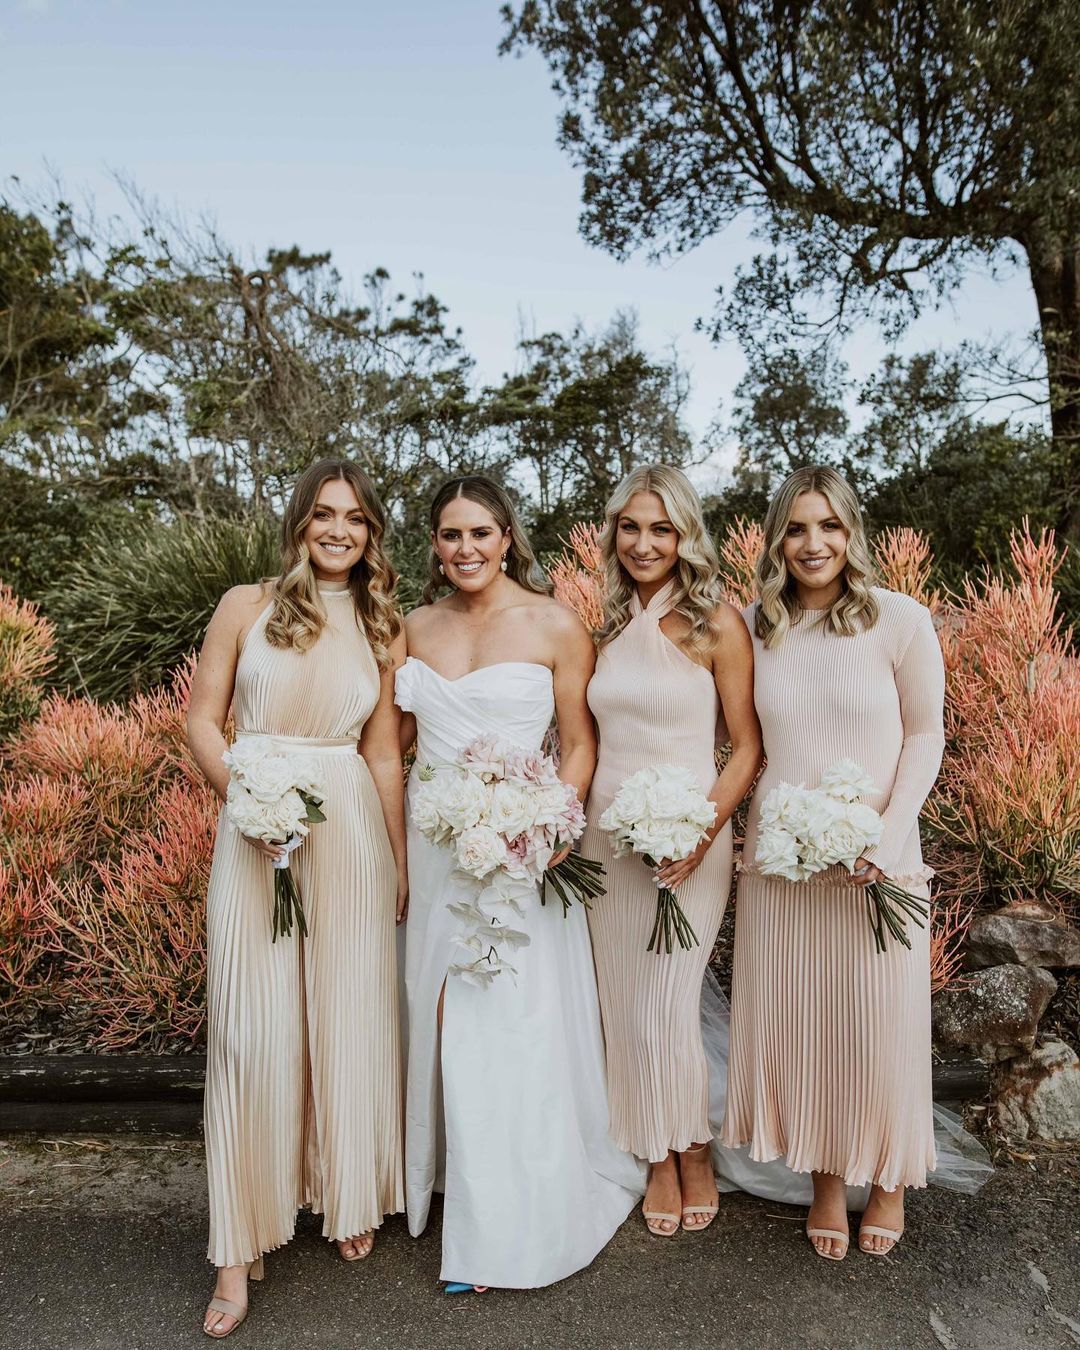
(506,1111)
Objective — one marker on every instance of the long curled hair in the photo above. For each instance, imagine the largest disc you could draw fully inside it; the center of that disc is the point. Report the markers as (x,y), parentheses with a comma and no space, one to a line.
(698,591)
(521,564)
(298,616)
(778,602)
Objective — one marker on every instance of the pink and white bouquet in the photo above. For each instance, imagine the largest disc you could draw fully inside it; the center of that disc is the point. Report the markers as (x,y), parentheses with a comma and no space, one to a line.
(804,830)
(661,812)
(275,797)
(506,813)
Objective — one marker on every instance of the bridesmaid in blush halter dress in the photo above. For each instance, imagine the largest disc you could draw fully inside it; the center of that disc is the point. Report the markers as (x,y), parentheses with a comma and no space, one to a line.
(303,1076)
(674,680)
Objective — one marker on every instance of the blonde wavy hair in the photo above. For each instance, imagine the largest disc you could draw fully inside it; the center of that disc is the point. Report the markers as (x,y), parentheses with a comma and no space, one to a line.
(521,564)
(778,603)
(298,616)
(698,590)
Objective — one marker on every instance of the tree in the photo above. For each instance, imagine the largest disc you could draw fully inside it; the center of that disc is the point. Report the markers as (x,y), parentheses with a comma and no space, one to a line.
(581,413)
(65,377)
(788,412)
(882,147)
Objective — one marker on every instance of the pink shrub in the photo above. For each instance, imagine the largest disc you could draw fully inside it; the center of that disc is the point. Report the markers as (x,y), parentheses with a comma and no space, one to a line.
(577,576)
(739,551)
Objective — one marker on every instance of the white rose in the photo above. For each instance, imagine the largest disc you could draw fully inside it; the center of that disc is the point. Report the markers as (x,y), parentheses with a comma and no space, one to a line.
(847,780)
(866,820)
(480,851)
(463,801)
(512,809)
(426,815)
(777,852)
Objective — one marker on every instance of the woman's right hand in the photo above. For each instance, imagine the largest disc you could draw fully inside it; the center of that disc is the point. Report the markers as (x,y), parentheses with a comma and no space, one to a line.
(271,851)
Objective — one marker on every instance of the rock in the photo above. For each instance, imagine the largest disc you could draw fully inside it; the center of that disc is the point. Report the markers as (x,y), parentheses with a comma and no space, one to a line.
(1038,1095)
(1026,933)
(995,1012)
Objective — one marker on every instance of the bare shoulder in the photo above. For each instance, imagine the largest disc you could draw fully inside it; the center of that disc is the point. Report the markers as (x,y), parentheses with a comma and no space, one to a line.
(729,626)
(560,619)
(239,602)
(420,620)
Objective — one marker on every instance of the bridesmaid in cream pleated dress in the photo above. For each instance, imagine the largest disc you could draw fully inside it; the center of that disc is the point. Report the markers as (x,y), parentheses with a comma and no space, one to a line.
(674,680)
(303,1082)
(830,1040)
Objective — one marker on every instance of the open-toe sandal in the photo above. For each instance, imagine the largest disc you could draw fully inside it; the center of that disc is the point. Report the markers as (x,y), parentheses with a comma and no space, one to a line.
(873,1231)
(652,1216)
(226,1305)
(834,1233)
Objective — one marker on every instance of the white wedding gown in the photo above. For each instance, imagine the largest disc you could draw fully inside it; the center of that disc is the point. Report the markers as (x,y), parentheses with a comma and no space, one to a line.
(509,1116)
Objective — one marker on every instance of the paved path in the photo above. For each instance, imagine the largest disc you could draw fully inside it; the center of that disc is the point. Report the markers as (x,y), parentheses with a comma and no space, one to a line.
(101,1242)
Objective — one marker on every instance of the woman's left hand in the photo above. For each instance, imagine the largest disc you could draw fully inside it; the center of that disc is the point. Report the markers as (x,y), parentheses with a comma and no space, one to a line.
(672,874)
(402,908)
(557,858)
(866,873)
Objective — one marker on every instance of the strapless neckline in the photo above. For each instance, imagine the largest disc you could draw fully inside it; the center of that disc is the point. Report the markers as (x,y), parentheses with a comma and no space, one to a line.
(495,665)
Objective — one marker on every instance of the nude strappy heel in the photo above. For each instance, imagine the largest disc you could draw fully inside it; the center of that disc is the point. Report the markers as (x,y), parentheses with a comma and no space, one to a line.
(710,1210)
(653,1214)
(845,1238)
(879,1232)
(231,1309)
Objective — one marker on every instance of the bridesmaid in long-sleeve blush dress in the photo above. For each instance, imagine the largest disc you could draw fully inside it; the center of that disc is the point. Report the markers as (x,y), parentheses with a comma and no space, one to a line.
(830,1039)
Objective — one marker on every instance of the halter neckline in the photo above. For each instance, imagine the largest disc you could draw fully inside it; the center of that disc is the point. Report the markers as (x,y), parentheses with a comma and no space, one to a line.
(658,606)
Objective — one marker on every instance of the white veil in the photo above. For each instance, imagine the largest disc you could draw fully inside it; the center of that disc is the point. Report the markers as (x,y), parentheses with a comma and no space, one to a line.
(963,1164)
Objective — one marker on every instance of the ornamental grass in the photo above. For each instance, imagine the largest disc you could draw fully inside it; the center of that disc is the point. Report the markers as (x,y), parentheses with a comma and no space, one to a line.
(27,653)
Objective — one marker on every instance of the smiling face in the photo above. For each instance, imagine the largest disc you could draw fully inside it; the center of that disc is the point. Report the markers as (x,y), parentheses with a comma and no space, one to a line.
(337,533)
(469,544)
(646,542)
(815,550)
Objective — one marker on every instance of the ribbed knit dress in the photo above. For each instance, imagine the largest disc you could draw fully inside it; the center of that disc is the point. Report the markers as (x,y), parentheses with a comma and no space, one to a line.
(830,1040)
(653,705)
(303,1068)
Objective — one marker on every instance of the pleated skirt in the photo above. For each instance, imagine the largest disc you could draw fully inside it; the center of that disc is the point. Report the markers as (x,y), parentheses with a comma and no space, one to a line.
(303,1086)
(830,1040)
(650,1003)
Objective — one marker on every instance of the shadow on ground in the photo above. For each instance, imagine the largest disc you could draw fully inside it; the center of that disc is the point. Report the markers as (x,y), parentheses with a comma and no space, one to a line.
(101,1246)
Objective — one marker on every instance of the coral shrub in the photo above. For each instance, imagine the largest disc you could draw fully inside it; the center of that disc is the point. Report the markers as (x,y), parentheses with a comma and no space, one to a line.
(108,833)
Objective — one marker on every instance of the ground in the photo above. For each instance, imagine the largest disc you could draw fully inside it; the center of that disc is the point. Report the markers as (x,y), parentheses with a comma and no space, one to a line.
(102,1242)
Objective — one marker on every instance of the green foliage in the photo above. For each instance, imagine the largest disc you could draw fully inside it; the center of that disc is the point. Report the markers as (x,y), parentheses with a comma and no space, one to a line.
(138,601)
(883,148)
(583,412)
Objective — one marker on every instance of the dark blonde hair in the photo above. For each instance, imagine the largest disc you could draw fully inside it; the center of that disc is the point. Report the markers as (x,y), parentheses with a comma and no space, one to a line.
(298,615)
(521,564)
(698,591)
(778,605)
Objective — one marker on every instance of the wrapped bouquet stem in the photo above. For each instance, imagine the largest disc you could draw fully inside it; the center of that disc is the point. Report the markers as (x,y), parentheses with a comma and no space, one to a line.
(661,812)
(805,830)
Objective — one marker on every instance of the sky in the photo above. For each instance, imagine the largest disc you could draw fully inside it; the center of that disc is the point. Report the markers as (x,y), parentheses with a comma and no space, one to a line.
(393,135)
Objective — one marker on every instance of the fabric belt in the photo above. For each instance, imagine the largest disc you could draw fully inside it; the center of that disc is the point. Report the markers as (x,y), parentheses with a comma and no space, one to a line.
(307,745)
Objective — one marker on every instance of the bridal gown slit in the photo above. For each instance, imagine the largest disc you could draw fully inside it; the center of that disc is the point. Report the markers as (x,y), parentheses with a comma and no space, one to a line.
(506,1111)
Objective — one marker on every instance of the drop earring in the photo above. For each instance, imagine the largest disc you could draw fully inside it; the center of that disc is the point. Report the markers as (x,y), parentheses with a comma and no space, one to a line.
(442,570)
(503,563)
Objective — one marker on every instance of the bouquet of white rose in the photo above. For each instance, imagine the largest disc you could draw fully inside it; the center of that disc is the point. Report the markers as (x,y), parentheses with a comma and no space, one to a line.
(804,830)
(661,812)
(275,797)
(506,813)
